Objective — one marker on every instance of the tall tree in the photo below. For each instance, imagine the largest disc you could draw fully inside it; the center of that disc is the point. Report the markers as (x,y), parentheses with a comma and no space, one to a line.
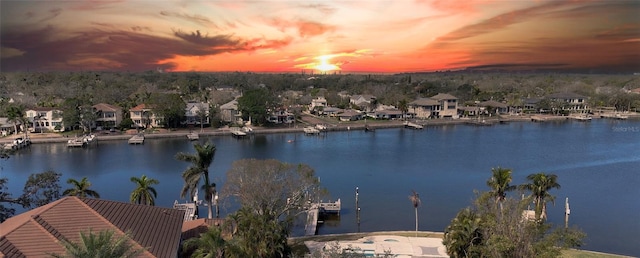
(102,244)
(539,185)
(500,184)
(254,104)
(144,193)
(15,114)
(415,200)
(41,189)
(80,188)
(272,188)
(199,169)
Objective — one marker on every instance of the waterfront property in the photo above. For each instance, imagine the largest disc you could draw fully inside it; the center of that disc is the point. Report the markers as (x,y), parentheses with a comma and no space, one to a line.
(445,164)
(45,119)
(143,116)
(107,115)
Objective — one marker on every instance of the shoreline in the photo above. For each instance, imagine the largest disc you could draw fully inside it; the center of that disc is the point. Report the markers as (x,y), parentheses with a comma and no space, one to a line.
(332,126)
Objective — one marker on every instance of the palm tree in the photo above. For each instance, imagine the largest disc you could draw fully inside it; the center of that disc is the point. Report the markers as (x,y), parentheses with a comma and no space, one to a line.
(102,244)
(80,188)
(500,184)
(210,244)
(200,162)
(463,237)
(415,200)
(539,185)
(144,192)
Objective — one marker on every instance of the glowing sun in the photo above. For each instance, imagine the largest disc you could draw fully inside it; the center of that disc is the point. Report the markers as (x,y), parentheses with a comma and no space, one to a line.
(325,65)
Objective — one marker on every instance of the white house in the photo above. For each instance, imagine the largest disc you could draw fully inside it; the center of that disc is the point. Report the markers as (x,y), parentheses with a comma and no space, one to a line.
(45,119)
(424,108)
(196,111)
(575,102)
(143,116)
(319,102)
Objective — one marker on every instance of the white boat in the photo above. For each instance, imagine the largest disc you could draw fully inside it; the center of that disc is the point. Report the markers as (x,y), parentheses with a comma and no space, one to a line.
(412,125)
(238,132)
(311,130)
(193,136)
(321,127)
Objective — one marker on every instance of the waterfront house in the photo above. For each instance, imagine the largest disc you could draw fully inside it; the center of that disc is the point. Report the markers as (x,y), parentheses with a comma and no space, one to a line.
(143,116)
(467,111)
(492,107)
(349,115)
(424,108)
(45,119)
(448,105)
(7,127)
(362,101)
(40,232)
(196,113)
(318,103)
(572,102)
(531,104)
(107,116)
(388,114)
(229,112)
(281,117)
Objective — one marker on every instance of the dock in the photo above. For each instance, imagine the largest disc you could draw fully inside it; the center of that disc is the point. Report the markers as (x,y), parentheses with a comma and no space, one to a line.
(81,141)
(137,139)
(411,125)
(238,132)
(17,144)
(583,118)
(480,122)
(310,130)
(617,116)
(313,215)
(193,136)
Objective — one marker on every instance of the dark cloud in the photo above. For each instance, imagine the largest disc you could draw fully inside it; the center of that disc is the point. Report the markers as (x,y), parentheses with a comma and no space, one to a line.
(197,19)
(114,49)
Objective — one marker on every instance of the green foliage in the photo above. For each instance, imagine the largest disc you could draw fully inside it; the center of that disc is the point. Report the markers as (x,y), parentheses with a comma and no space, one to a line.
(5,197)
(104,244)
(539,185)
(209,244)
(199,168)
(486,230)
(80,188)
(126,123)
(41,189)
(144,193)
(170,107)
(255,103)
(257,235)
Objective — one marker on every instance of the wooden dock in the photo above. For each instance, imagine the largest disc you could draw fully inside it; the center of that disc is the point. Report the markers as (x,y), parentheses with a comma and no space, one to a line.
(313,215)
(238,132)
(137,139)
(411,125)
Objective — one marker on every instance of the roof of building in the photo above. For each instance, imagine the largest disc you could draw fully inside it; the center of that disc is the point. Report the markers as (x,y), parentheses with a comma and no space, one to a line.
(39,232)
(106,107)
(194,228)
(42,109)
(565,95)
(442,96)
(141,107)
(349,113)
(424,102)
(197,105)
(230,105)
(492,103)
(389,112)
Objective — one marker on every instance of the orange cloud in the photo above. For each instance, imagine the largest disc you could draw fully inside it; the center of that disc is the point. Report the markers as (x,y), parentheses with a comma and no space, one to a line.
(305,28)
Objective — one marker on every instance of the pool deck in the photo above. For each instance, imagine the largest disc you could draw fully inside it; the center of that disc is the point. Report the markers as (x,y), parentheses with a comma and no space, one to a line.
(399,246)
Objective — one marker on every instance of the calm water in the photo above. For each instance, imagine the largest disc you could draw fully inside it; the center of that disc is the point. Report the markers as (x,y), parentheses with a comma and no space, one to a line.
(597,163)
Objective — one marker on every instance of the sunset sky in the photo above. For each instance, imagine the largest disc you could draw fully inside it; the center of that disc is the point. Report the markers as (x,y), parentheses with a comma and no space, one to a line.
(349,36)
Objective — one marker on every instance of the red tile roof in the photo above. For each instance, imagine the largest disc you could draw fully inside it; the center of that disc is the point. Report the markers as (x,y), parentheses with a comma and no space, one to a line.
(106,107)
(39,232)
